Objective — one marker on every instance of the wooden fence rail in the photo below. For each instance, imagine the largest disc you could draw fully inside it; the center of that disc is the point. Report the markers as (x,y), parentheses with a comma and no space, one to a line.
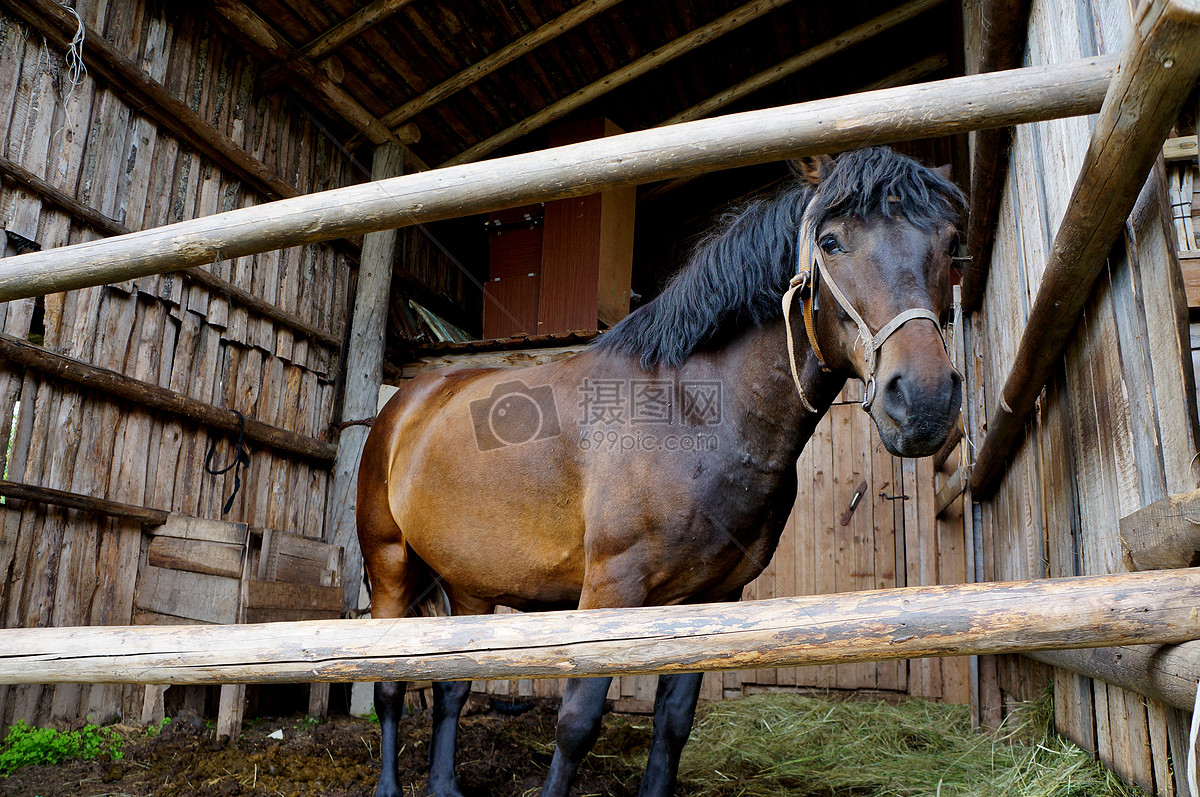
(926,110)
(1090,611)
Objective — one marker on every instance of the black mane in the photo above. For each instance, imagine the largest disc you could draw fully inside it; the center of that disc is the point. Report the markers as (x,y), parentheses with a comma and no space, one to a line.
(738,274)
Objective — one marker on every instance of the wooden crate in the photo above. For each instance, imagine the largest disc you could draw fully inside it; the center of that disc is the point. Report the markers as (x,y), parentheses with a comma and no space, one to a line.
(213,571)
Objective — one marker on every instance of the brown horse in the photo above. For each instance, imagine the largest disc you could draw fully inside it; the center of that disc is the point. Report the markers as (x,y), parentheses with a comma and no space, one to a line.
(659,466)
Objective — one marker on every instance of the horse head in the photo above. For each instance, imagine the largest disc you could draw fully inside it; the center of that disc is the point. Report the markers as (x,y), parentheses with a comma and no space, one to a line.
(874,253)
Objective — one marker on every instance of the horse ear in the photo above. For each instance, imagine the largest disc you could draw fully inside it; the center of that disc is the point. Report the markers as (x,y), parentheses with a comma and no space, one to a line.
(813,168)
(944,170)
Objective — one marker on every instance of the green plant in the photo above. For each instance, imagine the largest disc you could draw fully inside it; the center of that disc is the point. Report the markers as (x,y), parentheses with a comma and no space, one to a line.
(155,728)
(25,745)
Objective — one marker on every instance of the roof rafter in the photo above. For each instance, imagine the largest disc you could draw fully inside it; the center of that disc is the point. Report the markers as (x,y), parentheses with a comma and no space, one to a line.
(262,34)
(812,55)
(502,57)
(902,77)
(655,58)
(364,19)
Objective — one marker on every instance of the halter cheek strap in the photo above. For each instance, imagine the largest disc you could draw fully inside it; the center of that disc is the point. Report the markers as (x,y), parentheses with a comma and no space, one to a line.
(810,261)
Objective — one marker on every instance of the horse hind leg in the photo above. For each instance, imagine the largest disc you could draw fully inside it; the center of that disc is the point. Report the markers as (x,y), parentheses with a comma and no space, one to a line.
(396,579)
(449,697)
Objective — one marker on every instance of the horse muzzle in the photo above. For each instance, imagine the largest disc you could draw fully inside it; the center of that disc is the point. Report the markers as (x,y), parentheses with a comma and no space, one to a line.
(915,408)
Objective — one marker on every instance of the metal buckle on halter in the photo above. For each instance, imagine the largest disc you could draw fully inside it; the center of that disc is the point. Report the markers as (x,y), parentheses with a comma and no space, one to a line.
(870,395)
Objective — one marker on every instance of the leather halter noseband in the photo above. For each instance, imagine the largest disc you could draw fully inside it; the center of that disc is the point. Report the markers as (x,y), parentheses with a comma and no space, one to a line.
(809,269)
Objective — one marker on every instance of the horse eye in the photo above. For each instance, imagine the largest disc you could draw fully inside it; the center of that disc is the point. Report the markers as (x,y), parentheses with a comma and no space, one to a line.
(830,245)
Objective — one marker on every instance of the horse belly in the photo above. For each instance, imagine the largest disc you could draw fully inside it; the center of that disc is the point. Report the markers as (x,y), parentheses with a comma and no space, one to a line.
(500,527)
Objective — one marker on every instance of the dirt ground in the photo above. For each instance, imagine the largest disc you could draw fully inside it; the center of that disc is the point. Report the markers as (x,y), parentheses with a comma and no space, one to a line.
(501,754)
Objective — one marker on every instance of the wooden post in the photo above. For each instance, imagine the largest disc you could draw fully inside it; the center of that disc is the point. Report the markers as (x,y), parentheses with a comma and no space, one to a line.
(364,375)
(1003,27)
(963,619)
(1159,66)
(932,109)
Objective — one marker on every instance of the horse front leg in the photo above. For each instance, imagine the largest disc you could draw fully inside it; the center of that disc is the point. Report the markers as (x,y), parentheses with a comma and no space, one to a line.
(577,730)
(674,711)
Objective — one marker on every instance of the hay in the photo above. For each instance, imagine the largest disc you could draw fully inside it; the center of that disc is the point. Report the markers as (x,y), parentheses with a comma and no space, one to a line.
(783,744)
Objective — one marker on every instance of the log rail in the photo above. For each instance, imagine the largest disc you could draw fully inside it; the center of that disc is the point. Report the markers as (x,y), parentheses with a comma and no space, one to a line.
(1089,611)
(930,109)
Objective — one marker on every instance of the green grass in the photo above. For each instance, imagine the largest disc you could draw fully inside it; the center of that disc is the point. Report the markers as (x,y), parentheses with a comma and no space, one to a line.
(25,746)
(788,744)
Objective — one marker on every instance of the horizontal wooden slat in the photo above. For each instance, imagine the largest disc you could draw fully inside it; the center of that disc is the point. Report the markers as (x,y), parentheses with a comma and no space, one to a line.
(193,596)
(159,398)
(282,595)
(84,503)
(196,556)
(964,619)
(1165,534)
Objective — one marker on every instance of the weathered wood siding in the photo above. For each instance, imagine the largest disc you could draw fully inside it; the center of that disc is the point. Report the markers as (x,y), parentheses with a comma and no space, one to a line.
(1115,428)
(66,568)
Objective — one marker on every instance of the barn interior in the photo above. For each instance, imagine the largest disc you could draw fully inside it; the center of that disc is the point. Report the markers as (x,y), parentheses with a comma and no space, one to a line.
(127,116)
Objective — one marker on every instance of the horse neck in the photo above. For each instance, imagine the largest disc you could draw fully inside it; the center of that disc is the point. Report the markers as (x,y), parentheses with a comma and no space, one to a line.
(765,408)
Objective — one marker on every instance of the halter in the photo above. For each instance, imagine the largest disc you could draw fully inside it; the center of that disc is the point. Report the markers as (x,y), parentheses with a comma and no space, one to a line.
(808,271)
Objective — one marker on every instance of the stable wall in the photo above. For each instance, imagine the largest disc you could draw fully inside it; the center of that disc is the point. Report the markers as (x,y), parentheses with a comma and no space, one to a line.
(60,567)
(1114,430)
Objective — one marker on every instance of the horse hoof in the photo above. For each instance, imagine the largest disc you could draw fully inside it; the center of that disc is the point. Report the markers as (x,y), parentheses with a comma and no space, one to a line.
(388,790)
(444,790)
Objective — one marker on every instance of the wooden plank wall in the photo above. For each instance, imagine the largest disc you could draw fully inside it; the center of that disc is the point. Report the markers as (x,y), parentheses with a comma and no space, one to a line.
(67,568)
(890,540)
(1114,430)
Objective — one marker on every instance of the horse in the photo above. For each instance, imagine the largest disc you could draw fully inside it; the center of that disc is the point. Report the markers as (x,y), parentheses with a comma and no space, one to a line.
(658,466)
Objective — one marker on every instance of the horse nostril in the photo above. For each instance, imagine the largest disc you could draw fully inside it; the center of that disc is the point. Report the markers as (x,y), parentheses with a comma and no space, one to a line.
(896,399)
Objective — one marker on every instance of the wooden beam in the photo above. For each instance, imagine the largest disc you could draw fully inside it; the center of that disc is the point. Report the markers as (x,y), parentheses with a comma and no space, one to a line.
(1163,535)
(150,97)
(364,375)
(1189,262)
(958,620)
(360,21)
(262,35)
(84,503)
(366,17)
(101,223)
(577,15)
(952,489)
(1166,673)
(1181,148)
(651,60)
(1004,29)
(925,110)
(151,396)
(943,453)
(46,191)
(805,59)
(1159,66)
